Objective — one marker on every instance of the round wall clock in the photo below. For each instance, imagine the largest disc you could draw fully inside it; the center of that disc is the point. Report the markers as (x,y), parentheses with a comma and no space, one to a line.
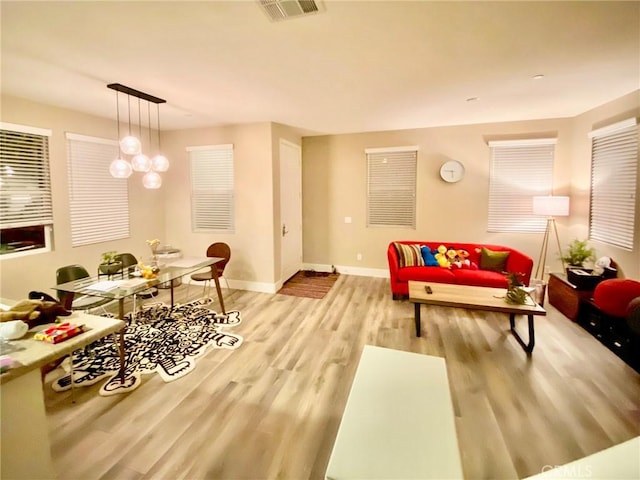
(452,171)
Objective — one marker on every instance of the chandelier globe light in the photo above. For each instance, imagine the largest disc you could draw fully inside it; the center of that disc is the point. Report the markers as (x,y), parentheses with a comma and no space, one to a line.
(132,145)
(159,163)
(141,163)
(120,168)
(152,180)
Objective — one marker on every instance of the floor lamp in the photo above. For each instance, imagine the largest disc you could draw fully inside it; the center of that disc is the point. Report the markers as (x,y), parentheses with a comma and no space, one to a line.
(551,207)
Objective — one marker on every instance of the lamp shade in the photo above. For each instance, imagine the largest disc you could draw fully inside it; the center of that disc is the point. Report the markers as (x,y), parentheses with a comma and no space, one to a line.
(551,206)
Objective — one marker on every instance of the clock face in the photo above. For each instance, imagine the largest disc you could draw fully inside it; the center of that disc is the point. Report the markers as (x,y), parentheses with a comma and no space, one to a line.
(452,171)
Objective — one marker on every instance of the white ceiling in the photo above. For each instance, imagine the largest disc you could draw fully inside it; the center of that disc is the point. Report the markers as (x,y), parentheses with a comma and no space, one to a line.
(357,66)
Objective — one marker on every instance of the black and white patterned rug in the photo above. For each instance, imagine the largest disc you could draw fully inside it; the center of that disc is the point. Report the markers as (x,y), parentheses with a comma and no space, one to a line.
(158,340)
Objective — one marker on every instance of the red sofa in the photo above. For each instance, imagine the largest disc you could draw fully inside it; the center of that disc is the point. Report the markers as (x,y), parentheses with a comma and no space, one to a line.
(517,262)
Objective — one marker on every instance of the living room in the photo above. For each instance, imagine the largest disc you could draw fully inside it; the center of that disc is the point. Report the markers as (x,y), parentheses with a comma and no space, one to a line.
(334,189)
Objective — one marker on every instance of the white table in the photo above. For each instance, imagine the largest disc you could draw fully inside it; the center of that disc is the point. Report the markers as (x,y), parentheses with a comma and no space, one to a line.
(25,450)
(398,421)
(619,462)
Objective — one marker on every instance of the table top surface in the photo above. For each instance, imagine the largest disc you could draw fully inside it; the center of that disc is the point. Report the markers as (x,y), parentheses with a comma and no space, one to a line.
(399,420)
(121,288)
(465,296)
(30,353)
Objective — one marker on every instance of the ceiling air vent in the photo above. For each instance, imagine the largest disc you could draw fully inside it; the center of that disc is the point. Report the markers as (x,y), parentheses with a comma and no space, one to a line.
(278,10)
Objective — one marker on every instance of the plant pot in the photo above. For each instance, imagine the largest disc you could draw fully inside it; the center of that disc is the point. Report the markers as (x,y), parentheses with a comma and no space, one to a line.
(110,268)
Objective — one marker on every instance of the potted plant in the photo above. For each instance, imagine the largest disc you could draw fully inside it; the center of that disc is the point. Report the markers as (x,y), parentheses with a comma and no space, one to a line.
(108,263)
(578,253)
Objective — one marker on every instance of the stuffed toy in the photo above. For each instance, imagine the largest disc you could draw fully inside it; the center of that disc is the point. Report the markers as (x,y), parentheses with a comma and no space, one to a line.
(441,257)
(34,312)
(600,265)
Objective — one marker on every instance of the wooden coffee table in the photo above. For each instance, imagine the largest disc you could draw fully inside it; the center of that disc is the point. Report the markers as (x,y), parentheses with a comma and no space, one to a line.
(475,298)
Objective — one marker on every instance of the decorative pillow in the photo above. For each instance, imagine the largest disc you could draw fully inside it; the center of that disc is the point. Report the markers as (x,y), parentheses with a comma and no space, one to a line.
(409,255)
(490,260)
(427,256)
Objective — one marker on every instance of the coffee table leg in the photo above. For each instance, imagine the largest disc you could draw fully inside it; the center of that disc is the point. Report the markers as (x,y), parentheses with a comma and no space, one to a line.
(528,347)
(417,317)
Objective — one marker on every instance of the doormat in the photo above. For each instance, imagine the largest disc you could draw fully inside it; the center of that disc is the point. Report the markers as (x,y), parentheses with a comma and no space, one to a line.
(309,284)
(158,340)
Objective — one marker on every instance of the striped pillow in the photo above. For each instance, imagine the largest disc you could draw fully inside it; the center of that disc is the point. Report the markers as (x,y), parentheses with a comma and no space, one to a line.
(409,255)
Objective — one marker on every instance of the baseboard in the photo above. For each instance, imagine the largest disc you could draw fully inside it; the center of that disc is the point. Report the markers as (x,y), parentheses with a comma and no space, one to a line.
(348,270)
(274,287)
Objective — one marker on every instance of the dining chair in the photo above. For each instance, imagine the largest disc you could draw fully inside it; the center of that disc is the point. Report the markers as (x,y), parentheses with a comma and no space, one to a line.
(129,261)
(72,301)
(218,249)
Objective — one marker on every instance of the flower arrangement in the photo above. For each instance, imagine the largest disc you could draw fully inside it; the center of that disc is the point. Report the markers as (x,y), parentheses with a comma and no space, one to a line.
(153,244)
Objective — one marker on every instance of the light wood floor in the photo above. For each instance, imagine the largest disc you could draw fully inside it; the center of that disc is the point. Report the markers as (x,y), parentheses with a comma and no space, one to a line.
(271,409)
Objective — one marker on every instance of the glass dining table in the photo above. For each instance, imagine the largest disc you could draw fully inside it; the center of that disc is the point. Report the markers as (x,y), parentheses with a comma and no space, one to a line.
(120,289)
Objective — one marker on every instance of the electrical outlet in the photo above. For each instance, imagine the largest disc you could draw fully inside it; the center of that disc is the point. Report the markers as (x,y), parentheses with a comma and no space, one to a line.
(547,269)
(359,256)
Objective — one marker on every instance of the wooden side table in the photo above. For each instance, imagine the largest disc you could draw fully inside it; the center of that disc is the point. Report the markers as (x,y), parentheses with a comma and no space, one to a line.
(565,297)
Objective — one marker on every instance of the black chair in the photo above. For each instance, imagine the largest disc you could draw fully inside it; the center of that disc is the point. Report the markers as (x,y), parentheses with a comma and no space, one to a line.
(129,262)
(72,301)
(218,249)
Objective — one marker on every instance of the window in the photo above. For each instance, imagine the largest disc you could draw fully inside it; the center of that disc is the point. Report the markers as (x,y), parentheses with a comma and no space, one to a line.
(614,175)
(26,212)
(391,186)
(98,203)
(520,170)
(212,203)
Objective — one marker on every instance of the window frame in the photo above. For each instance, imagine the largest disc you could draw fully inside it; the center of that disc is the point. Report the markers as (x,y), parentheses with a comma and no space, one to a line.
(527,165)
(212,178)
(391,196)
(613,184)
(42,176)
(98,203)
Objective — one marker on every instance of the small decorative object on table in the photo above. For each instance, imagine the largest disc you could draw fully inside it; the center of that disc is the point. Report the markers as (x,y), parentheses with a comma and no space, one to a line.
(59,332)
(578,253)
(108,263)
(153,245)
(516,294)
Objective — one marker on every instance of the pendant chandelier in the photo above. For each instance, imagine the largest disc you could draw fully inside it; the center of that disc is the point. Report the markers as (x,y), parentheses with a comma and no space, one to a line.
(130,145)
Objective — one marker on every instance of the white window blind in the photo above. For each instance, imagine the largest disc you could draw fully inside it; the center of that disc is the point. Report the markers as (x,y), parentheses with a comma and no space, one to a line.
(25,187)
(98,203)
(212,194)
(614,176)
(391,186)
(520,170)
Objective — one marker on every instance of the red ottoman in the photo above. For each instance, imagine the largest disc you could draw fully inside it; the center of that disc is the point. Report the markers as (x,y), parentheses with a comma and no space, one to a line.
(613,296)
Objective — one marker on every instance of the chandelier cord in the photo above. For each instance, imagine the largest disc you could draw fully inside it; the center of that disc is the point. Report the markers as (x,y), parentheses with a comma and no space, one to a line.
(118,117)
(129,111)
(158,117)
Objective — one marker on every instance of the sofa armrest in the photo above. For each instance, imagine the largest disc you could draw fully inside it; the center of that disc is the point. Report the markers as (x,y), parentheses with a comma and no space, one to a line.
(521,264)
(392,258)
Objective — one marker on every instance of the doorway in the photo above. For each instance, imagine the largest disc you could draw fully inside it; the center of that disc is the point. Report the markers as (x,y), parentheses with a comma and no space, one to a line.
(290,209)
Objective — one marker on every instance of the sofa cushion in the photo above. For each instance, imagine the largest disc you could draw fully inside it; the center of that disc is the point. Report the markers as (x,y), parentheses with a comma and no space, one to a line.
(427,256)
(480,278)
(493,260)
(426,274)
(409,255)
(612,296)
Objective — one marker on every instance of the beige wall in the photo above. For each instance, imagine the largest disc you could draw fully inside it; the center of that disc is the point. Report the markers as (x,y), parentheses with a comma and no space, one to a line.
(252,243)
(334,187)
(37,272)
